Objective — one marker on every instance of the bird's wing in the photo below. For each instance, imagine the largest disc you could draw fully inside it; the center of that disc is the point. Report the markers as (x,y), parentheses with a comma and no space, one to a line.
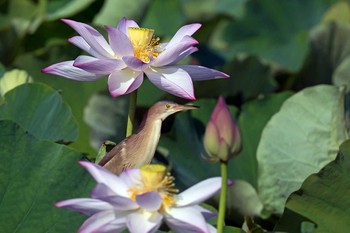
(115,160)
(115,151)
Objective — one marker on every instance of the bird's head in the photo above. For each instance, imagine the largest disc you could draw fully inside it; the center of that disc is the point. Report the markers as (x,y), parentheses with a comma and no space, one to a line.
(163,109)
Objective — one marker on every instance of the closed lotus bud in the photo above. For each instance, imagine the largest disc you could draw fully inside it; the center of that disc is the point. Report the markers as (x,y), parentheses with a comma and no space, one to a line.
(222,138)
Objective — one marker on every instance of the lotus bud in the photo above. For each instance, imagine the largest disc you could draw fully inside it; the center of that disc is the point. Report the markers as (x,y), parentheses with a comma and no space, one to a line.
(222,138)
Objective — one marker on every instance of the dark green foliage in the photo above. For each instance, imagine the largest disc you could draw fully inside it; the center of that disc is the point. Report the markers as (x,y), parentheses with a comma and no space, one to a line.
(323,197)
(34,174)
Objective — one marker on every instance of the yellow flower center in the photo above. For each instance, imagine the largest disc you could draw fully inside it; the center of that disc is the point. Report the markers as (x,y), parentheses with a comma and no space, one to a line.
(154,177)
(145,43)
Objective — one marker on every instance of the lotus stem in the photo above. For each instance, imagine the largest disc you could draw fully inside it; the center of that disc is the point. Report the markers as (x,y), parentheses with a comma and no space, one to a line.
(223,195)
(131,113)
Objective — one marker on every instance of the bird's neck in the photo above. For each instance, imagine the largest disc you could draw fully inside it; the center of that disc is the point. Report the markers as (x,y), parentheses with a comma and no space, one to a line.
(150,121)
(151,127)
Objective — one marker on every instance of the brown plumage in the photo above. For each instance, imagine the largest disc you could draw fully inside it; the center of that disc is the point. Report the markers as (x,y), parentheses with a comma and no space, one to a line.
(139,148)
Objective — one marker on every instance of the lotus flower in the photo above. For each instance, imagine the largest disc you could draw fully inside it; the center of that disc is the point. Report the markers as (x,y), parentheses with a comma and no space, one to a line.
(222,139)
(140,199)
(131,53)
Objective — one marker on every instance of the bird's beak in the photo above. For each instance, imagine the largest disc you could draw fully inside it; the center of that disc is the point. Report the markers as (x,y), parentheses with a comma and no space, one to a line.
(180,107)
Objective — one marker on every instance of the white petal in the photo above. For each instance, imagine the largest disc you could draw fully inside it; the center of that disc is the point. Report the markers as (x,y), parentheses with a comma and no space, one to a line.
(125,23)
(131,177)
(144,222)
(185,220)
(104,193)
(87,206)
(114,226)
(186,30)
(171,53)
(120,42)
(98,66)
(172,79)
(101,190)
(212,229)
(199,73)
(135,63)
(122,82)
(150,201)
(184,54)
(199,192)
(92,37)
(97,221)
(82,44)
(207,214)
(106,177)
(67,70)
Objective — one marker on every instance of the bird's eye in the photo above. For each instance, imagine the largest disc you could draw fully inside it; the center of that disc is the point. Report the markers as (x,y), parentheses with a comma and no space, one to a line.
(167,106)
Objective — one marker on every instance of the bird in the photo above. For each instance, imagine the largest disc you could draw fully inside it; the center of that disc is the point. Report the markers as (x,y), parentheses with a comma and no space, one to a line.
(139,148)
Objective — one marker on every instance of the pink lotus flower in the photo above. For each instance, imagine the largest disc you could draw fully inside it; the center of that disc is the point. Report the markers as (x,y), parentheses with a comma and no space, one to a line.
(222,138)
(140,199)
(132,52)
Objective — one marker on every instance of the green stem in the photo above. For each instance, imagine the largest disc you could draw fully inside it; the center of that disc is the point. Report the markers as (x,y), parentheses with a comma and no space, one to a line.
(131,114)
(223,194)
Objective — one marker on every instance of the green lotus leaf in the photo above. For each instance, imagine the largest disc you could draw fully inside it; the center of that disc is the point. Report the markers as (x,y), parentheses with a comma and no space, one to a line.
(40,110)
(299,140)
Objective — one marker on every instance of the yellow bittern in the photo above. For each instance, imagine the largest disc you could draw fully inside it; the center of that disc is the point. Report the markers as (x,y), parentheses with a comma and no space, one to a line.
(139,148)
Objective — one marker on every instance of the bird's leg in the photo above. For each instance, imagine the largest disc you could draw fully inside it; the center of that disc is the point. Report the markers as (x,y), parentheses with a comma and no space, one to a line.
(105,147)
